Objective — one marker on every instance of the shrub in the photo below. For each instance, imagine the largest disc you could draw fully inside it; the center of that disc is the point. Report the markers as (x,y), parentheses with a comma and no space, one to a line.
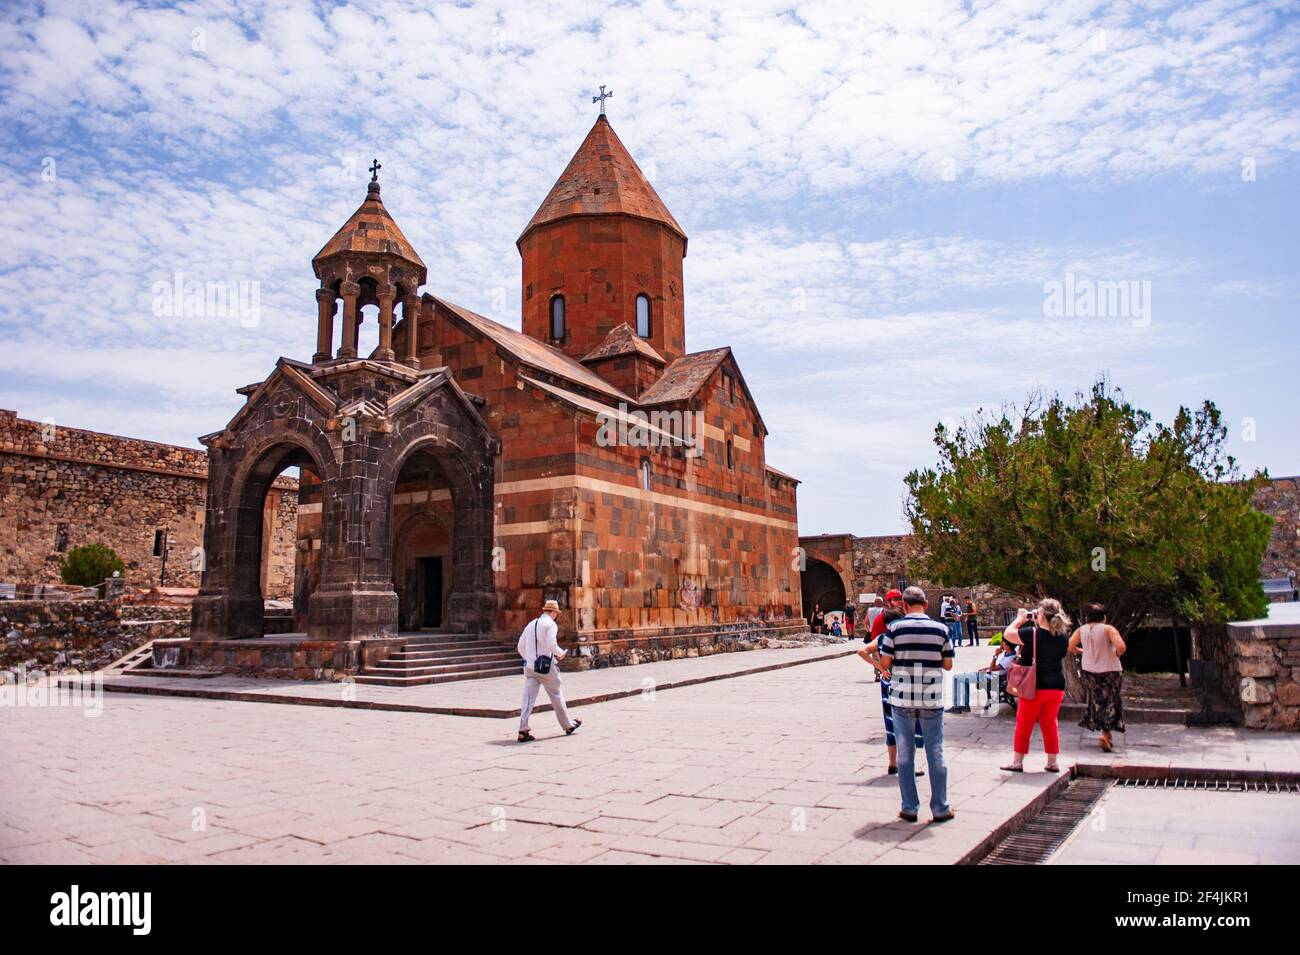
(90,565)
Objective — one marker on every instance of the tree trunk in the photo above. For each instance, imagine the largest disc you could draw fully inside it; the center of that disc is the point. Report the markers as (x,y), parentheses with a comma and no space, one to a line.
(1074,688)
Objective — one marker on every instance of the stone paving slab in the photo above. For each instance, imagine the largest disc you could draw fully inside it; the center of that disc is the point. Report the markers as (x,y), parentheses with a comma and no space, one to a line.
(492,697)
(776,767)
(1180,827)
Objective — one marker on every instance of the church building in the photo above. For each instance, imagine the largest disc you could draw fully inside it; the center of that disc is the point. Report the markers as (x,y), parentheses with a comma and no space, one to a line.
(589,458)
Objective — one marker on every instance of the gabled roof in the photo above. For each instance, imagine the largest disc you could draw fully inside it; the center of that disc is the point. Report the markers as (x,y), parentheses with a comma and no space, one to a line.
(684,377)
(370,229)
(623,341)
(531,352)
(583,403)
(602,178)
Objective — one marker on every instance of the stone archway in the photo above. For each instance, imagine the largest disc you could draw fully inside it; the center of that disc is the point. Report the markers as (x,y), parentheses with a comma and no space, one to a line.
(355,424)
(822,585)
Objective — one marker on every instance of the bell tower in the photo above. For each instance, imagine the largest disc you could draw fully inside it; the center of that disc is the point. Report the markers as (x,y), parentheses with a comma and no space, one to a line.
(603,250)
(367,262)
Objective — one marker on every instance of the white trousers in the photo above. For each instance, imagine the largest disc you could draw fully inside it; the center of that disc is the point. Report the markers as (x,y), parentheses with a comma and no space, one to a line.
(551,683)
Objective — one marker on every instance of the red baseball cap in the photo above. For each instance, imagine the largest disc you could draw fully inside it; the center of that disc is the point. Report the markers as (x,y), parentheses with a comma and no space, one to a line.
(894,595)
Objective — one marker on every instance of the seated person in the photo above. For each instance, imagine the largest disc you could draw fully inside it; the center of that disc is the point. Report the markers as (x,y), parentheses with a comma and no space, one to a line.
(1003,656)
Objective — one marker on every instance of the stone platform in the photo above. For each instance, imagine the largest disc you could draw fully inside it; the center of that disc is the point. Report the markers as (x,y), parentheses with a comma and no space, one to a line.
(781,766)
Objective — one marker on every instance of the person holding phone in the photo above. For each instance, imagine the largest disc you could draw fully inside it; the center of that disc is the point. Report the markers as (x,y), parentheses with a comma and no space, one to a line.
(1043,638)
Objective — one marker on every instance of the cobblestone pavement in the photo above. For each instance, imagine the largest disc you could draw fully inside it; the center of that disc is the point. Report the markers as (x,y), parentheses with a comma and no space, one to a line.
(782,766)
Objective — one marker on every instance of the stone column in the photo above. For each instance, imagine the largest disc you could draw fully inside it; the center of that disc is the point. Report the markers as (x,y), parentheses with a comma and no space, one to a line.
(350,292)
(385,350)
(411,313)
(324,325)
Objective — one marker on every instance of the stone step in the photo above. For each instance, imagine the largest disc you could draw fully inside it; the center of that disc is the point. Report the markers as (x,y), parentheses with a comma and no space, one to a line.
(171,671)
(418,669)
(397,679)
(453,646)
(445,655)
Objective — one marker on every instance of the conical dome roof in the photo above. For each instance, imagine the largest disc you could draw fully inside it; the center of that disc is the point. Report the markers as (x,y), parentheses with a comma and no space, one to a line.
(369,230)
(602,178)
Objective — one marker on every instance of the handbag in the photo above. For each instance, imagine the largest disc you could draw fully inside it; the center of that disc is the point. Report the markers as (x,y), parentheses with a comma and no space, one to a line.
(1022,681)
(541,663)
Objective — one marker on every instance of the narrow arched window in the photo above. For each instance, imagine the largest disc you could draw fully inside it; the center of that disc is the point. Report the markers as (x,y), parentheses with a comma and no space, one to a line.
(643,315)
(645,474)
(731,457)
(557,317)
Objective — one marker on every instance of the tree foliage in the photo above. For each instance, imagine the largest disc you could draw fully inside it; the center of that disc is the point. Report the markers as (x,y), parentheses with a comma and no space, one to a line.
(90,565)
(1091,501)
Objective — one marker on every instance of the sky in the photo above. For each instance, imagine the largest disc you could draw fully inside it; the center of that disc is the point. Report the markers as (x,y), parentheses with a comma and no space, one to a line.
(899,213)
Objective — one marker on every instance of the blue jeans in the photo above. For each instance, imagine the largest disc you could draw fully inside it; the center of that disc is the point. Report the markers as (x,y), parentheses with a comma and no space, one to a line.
(955,632)
(929,723)
(964,683)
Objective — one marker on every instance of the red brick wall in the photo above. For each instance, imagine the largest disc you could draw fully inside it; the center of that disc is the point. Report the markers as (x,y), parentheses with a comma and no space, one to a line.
(599,264)
(573,523)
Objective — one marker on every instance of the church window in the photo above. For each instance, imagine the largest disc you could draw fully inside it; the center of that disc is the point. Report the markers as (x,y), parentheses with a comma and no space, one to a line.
(157,543)
(645,474)
(731,456)
(557,317)
(729,381)
(643,315)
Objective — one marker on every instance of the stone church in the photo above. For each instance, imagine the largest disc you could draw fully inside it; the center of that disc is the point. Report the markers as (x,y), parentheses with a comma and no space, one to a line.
(464,472)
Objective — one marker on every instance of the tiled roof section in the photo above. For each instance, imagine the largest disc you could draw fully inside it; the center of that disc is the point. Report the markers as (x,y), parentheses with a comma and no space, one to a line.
(602,178)
(782,474)
(370,229)
(530,351)
(623,341)
(684,377)
(596,408)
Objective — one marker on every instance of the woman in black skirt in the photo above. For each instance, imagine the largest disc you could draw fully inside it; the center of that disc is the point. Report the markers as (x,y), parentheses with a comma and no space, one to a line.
(1101,646)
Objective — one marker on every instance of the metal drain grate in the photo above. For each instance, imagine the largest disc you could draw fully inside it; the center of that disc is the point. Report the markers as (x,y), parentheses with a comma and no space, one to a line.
(1042,835)
(1221,784)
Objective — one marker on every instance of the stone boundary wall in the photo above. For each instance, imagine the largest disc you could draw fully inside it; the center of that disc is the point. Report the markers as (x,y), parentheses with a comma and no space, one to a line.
(1280,499)
(52,635)
(1263,673)
(62,487)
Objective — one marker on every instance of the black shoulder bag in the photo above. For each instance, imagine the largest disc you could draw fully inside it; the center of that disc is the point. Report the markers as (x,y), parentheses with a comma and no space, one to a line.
(541,664)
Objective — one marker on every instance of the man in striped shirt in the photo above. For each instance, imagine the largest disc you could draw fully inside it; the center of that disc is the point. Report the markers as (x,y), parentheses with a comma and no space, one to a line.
(916,651)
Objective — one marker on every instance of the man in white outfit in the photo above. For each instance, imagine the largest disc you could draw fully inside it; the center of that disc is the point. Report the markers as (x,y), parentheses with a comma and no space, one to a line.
(538,639)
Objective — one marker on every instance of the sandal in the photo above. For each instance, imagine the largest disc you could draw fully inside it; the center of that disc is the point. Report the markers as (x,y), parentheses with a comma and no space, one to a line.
(576,724)
(951,815)
(1051,769)
(526,737)
(1013,769)
(1106,745)
(907,816)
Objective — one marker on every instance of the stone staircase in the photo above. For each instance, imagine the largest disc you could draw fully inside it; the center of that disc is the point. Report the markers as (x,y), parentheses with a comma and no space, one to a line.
(441,656)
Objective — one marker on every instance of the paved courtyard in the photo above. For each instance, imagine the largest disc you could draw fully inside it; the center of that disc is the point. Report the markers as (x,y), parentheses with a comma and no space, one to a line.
(784,765)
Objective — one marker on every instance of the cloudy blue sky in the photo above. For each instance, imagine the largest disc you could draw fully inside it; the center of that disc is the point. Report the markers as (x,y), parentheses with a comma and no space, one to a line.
(876,197)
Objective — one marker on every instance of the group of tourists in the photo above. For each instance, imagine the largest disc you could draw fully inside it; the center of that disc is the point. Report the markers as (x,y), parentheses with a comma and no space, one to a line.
(836,622)
(911,652)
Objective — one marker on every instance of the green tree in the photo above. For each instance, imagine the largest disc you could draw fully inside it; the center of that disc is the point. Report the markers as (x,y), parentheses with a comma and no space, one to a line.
(90,565)
(1091,501)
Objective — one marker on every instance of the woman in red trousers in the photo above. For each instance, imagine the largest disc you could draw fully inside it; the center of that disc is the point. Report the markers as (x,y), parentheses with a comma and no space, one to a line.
(1045,637)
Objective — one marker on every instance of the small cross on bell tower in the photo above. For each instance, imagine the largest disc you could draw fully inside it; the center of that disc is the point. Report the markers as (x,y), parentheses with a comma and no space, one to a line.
(601,98)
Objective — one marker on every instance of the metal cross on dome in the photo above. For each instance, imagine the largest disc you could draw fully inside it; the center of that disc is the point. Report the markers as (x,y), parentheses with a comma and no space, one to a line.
(374,170)
(601,98)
